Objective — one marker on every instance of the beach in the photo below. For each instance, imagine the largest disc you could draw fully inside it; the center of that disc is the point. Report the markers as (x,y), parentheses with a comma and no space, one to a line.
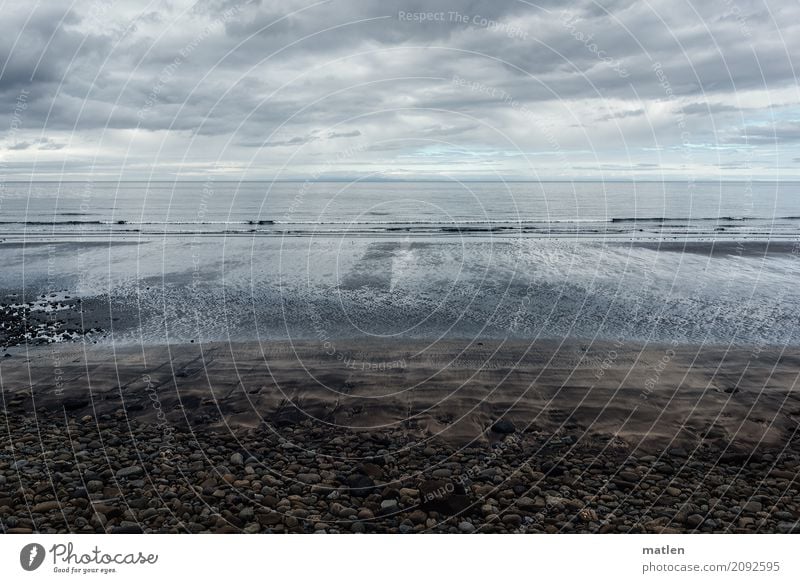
(398,370)
(401,437)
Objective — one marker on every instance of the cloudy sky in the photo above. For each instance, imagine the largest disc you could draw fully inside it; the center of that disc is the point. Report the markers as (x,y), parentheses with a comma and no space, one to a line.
(615,89)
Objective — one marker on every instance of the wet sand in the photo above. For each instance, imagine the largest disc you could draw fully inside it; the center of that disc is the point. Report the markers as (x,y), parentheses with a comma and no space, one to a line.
(650,397)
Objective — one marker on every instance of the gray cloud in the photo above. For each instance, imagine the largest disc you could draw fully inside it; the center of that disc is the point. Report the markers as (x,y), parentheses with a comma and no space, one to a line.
(621,114)
(214,80)
(335,135)
(39,144)
(777,133)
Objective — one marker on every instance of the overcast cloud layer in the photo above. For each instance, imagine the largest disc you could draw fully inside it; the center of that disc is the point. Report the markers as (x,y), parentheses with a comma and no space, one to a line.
(400,89)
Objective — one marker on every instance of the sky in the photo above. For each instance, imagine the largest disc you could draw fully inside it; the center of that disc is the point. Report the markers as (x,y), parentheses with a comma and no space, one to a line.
(385,89)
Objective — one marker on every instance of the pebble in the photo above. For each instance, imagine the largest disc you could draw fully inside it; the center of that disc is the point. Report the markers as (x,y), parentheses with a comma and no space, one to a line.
(365,514)
(752,506)
(694,520)
(394,487)
(418,517)
(129,472)
(42,507)
(390,504)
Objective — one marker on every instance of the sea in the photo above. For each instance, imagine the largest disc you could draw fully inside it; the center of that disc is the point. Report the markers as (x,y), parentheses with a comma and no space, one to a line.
(214,260)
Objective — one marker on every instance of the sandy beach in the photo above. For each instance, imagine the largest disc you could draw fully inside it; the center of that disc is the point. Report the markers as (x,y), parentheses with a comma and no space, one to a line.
(353,436)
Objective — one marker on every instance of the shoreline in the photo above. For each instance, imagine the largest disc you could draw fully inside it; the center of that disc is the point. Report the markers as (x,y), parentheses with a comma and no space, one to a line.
(468,437)
(746,393)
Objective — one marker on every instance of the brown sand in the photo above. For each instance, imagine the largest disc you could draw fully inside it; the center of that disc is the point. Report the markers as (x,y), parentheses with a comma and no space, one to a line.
(651,397)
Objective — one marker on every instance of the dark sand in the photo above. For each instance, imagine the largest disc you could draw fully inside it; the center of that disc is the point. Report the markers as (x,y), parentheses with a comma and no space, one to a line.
(650,397)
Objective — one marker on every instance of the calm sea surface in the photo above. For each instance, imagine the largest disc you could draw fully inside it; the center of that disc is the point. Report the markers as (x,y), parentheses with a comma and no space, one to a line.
(263,208)
(193,261)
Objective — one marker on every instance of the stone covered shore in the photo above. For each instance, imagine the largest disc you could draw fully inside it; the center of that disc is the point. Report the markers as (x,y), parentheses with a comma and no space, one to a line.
(63,473)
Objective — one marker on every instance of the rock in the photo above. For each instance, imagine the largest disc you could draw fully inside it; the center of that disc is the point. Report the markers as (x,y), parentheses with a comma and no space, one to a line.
(360,485)
(503,426)
(237,459)
(365,514)
(526,503)
(19,464)
(2,480)
(372,470)
(587,515)
(309,478)
(390,504)
(418,517)
(694,520)
(788,527)
(129,472)
(671,491)
(466,527)
(270,519)
(678,452)
(752,506)
(127,529)
(441,473)
(443,496)
(43,507)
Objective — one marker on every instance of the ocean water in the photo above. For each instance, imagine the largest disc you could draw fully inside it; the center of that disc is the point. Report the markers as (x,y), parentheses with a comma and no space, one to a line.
(621,209)
(180,262)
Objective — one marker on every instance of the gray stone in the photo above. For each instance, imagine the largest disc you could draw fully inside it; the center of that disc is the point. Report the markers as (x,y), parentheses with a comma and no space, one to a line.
(694,520)
(309,478)
(752,506)
(466,527)
(19,464)
(130,472)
